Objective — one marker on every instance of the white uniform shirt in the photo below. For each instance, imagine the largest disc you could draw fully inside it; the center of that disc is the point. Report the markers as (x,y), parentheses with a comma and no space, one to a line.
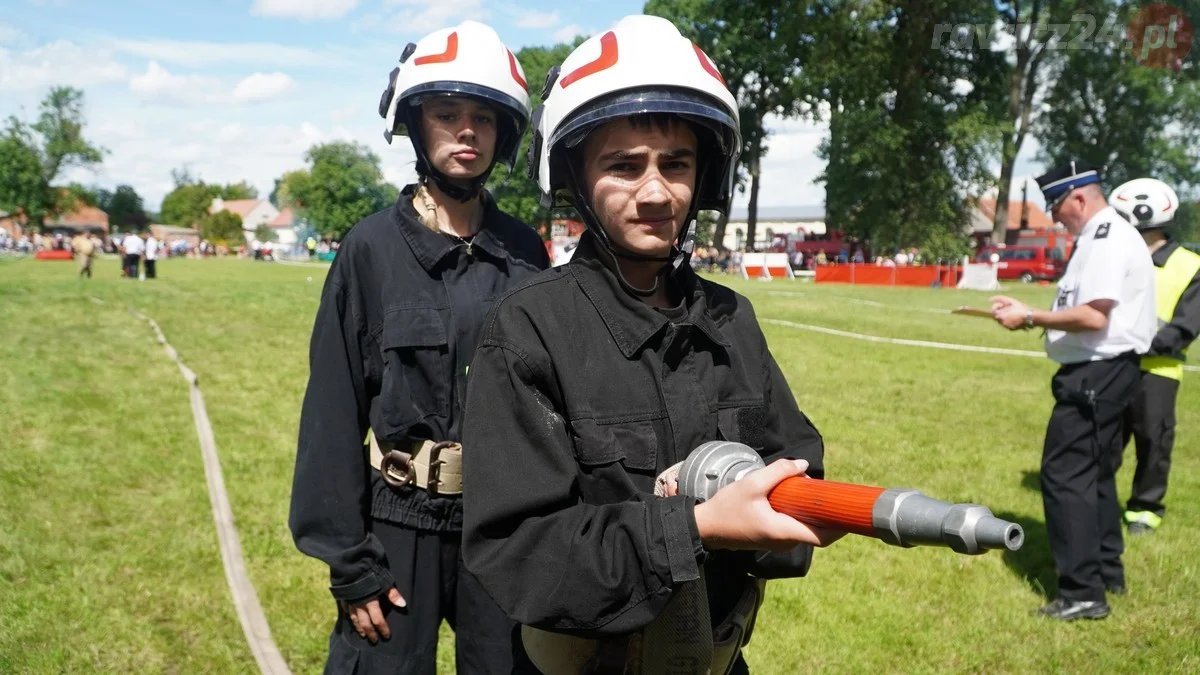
(133,245)
(1110,262)
(151,248)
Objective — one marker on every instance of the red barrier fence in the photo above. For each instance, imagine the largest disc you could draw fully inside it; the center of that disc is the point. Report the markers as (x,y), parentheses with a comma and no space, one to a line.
(51,254)
(877,275)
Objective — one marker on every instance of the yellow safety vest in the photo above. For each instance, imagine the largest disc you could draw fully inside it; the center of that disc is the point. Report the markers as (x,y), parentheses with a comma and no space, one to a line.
(1170,281)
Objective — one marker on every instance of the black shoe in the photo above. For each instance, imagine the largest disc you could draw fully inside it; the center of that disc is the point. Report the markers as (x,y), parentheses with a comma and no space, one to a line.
(1138,528)
(1069,610)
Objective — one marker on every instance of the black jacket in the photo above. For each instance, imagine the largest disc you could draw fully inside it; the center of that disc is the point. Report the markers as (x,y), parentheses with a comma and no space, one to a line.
(579,396)
(1173,338)
(399,318)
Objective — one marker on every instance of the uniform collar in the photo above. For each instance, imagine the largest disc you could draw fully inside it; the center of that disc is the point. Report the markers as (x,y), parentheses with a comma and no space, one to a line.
(632,322)
(1104,215)
(431,247)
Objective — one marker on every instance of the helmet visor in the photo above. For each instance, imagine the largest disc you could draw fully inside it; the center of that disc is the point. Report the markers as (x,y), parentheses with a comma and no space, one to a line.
(689,104)
(420,93)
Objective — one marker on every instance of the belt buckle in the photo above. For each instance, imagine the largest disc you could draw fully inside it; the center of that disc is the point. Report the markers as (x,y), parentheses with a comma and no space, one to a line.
(435,464)
(402,463)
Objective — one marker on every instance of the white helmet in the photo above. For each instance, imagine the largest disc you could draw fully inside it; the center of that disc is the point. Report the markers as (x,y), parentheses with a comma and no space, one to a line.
(1147,203)
(465,60)
(642,65)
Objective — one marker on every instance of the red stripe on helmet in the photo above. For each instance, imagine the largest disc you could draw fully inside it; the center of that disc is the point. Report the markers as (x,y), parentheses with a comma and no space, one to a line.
(708,65)
(516,72)
(607,59)
(447,56)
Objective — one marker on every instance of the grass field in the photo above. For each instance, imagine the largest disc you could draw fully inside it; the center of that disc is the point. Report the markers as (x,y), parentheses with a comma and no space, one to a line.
(109,559)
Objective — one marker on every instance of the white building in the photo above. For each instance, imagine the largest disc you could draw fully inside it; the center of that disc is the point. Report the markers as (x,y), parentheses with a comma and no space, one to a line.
(254,212)
(773,220)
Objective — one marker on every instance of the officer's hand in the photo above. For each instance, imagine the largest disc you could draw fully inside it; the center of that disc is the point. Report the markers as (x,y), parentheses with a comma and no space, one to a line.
(1008,312)
(367,617)
(740,517)
(1002,301)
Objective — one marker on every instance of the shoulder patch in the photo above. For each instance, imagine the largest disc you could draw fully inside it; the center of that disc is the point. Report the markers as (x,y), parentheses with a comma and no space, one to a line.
(1101,232)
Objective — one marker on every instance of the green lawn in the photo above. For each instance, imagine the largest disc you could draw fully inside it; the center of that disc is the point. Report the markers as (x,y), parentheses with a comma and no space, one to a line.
(109,559)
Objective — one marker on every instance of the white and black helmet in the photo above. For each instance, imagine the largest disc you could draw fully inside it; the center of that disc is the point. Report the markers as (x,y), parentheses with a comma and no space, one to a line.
(467,60)
(642,65)
(1147,203)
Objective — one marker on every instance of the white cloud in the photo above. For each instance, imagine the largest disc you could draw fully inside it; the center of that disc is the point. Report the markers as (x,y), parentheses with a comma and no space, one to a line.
(59,62)
(263,87)
(570,32)
(230,133)
(426,16)
(199,53)
(791,166)
(303,9)
(400,175)
(10,34)
(346,112)
(536,19)
(143,153)
(158,84)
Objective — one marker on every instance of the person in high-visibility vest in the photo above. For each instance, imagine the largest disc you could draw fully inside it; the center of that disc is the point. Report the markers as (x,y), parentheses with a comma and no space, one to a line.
(1150,205)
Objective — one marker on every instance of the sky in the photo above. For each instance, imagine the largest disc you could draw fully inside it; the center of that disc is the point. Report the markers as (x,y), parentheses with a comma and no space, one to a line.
(239,89)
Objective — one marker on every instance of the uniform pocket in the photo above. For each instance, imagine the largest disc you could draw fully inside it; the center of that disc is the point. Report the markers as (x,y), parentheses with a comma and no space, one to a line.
(417,370)
(634,444)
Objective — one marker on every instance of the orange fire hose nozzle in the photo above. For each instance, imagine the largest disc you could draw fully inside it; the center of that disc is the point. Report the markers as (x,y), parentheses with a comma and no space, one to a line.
(896,516)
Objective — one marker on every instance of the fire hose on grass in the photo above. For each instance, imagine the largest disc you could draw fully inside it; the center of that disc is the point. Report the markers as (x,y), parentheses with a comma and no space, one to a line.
(896,516)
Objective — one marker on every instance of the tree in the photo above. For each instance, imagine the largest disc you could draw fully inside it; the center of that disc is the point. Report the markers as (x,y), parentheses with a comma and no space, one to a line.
(239,190)
(1134,120)
(264,233)
(223,228)
(1025,26)
(20,172)
(188,204)
(124,209)
(343,185)
(33,156)
(706,222)
(743,40)
(77,193)
(281,195)
(515,193)
(904,144)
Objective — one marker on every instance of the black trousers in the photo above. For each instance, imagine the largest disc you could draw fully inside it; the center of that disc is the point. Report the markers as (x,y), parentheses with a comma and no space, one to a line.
(429,573)
(150,268)
(522,665)
(131,265)
(1079,494)
(1150,420)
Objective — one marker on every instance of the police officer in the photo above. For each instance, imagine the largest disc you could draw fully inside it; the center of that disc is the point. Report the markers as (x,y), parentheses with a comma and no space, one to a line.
(398,321)
(598,376)
(1150,205)
(1102,319)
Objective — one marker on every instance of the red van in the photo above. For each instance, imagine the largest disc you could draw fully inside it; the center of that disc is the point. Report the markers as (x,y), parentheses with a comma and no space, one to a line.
(1026,262)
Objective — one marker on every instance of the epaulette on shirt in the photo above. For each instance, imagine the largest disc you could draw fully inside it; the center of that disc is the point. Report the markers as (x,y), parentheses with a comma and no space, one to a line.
(1101,232)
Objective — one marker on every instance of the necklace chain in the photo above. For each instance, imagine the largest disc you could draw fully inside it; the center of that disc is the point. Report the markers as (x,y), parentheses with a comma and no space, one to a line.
(431,207)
